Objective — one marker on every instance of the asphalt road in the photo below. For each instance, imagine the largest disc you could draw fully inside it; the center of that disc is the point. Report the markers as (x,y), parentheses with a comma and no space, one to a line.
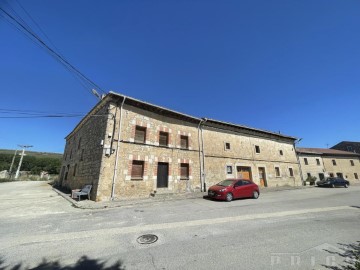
(291,229)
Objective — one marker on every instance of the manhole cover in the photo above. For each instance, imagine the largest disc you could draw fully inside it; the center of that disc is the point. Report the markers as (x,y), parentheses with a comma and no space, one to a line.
(147,239)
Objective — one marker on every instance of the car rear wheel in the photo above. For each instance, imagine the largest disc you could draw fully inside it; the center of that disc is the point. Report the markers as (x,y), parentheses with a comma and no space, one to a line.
(346,186)
(255,195)
(229,197)
(332,185)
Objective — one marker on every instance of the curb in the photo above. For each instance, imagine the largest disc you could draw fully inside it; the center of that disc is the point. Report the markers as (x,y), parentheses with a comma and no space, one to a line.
(173,197)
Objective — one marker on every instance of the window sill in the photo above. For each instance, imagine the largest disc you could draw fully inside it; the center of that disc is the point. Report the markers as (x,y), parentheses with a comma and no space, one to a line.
(137,178)
(184,178)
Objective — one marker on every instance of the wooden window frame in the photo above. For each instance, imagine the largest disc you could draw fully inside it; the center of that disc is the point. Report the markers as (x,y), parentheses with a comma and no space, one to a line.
(257,149)
(136,175)
(163,134)
(137,130)
(334,162)
(182,138)
(185,176)
(306,162)
(318,162)
(281,152)
(352,162)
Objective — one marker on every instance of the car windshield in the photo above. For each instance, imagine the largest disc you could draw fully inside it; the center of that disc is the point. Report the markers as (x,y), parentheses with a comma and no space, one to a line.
(225,183)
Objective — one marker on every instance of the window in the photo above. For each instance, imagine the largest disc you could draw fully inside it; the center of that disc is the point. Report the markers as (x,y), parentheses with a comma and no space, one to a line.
(67,172)
(331,174)
(308,175)
(349,148)
(334,162)
(184,171)
(229,169)
(184,142)
(257,149)
(227,146)
(356,176)
(352,163)
(277,171)
(306,161)
(281,152)
(79,144)
(74,172)
(291,172)
(163,138)
(140,134)
(82,155)
(137,170)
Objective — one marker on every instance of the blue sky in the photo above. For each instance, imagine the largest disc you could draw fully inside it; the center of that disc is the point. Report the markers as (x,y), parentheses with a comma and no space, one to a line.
(282,65)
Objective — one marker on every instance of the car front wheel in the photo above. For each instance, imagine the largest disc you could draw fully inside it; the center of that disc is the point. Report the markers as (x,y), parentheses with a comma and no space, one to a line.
(255,194)
(346,186)
(229,197)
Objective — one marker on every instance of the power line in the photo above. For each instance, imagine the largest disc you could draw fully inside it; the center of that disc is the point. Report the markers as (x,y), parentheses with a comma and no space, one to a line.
(23,27)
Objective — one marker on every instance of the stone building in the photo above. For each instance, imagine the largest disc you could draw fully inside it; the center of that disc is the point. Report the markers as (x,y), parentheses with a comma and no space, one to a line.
(322,163)
(348,146)
(127,148)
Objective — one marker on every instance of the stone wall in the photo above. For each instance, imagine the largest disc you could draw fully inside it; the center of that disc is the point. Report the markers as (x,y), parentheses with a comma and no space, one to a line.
(241,151)
(313,167)
(151,153)
(84,151)
(343,166)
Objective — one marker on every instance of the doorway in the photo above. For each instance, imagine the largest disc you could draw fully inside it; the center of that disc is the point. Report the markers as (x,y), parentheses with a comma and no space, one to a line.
(262,176)
(244,173)
(321,176)
(162,175)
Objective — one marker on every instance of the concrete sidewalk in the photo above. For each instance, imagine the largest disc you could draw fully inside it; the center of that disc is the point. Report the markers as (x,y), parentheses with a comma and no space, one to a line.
(88,204)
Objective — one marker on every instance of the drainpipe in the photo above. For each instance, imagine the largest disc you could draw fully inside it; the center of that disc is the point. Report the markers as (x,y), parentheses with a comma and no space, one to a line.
(117,150)
(200,157)
(298,160)
(203,154)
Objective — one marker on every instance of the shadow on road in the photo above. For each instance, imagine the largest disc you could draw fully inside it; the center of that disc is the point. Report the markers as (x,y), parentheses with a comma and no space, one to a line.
(351,255)
(84,263)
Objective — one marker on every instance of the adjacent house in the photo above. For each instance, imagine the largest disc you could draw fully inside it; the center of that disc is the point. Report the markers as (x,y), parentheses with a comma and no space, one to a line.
(322,163)
(348,146)
(127,148)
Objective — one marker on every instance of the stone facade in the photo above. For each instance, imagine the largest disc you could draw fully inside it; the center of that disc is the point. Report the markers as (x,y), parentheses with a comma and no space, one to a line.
(127,148)
(330,163)
(237,149)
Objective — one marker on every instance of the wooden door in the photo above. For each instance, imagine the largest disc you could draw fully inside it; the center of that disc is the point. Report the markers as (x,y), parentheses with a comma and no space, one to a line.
(262,177)
(162,175)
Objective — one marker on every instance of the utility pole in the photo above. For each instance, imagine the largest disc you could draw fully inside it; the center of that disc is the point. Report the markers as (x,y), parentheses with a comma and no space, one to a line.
(12,163)
(21,159)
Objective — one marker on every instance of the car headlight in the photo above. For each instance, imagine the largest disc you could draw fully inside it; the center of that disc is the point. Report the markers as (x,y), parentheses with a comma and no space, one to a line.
(222,190)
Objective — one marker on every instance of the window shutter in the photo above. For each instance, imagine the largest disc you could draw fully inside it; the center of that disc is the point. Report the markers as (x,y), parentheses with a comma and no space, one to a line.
(184,143)
(137,169)
(140,134)
(163,139)
(184,171)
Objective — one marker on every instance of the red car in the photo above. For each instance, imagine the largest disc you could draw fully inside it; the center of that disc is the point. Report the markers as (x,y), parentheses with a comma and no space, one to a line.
(230,189)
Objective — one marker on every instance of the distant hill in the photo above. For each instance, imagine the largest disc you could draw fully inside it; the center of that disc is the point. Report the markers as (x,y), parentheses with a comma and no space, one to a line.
(33,161)
(32,153)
